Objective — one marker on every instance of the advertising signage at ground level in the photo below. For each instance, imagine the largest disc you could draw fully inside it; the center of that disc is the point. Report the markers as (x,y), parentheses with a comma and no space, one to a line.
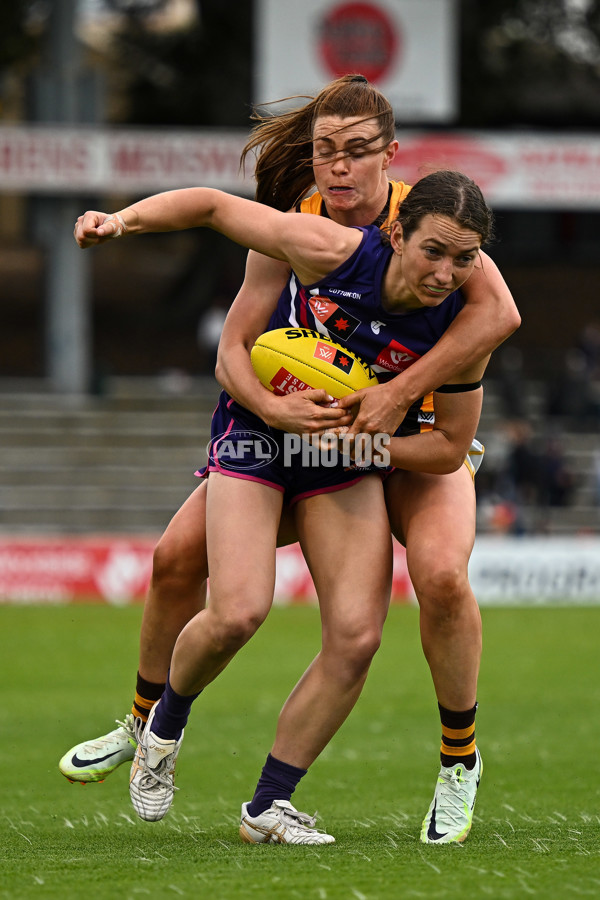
(116,570)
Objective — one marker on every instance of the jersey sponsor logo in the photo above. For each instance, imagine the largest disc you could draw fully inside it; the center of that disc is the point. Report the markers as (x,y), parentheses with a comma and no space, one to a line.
(334,318)
(376,326)
(354,295)
(286,383)
(336,358)
(395,357)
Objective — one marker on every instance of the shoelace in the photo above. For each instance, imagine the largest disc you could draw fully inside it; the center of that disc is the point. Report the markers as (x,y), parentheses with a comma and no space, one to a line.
(293,818)
(152,777)
(99,744)
(452,807)
(138,729)
(128,725)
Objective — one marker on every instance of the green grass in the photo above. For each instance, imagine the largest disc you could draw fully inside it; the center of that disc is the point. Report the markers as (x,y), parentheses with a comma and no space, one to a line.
(67,672)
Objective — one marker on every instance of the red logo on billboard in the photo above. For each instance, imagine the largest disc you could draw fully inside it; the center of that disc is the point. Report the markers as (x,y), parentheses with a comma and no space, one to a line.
(417,158)
(358,37)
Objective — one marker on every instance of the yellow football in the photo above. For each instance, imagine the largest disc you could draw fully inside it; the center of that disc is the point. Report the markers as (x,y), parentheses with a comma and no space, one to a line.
(298,359)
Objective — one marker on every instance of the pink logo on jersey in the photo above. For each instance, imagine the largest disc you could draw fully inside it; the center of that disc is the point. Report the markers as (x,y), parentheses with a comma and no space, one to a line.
(322,308)
(395,357)
(337,321)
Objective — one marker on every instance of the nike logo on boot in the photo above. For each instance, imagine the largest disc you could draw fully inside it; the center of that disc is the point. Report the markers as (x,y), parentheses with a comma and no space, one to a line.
(82,763)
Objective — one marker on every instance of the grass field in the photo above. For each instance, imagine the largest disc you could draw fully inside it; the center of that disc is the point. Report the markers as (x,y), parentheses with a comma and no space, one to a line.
(67,672)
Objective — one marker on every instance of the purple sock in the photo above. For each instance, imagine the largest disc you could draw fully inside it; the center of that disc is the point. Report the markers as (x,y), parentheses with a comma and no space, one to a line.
(171,715)
(278,781)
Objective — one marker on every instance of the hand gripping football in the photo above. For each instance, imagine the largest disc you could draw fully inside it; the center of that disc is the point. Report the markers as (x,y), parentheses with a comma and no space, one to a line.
(298,359)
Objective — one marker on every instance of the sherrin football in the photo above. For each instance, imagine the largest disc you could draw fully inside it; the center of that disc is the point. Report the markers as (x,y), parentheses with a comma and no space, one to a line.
(298,359)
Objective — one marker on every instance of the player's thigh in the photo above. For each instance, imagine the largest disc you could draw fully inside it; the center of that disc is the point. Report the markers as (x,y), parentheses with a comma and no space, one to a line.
(182,546)
(434,517)
(242,519)
(345,537)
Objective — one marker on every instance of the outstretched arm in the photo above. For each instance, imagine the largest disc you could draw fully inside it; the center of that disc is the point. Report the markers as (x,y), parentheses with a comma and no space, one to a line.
(488,317)
(313,245)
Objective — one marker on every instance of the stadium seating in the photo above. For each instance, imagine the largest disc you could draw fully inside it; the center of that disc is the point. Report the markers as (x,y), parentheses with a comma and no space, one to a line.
(125,462)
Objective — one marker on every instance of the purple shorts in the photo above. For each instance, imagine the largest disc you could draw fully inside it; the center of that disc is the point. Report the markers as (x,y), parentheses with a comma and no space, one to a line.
(243,446)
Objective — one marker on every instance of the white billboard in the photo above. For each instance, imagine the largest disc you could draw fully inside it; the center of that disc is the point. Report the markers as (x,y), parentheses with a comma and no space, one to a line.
(70,160)
(515,171)
(407,48)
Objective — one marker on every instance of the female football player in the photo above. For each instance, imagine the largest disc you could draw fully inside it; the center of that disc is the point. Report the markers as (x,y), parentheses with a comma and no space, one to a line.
(410,284)
(351,173)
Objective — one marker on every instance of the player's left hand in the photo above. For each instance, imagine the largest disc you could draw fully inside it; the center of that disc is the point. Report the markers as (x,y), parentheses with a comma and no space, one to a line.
(377,410)
(305,412)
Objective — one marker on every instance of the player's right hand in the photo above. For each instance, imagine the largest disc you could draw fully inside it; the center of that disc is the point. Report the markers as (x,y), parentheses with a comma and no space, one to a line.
(95,227)
(307,412)
(377,409)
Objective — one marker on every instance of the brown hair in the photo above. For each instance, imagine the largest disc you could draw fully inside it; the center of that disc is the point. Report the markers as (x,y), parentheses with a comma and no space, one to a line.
(282,142)
(447,193)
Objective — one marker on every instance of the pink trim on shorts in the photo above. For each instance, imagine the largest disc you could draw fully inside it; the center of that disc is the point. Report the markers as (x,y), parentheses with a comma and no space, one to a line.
(214,447)
(202,473)
(231,474)
(328,490)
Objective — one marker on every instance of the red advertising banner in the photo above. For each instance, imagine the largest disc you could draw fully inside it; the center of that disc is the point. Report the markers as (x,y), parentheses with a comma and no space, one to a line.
(516,170)
(76,159)
(61,569)
(116,570)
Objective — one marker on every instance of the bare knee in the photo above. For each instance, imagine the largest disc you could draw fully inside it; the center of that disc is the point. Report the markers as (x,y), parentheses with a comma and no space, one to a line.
(178,570)
(442,590)
(229,632)
(350,652)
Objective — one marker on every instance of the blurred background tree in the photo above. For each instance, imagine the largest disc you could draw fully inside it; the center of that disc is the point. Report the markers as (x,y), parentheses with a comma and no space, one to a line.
(200,76)
(17,40)
(522,62)
(530,63)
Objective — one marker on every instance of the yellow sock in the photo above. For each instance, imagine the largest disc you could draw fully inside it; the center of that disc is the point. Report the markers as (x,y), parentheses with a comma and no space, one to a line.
(458,737)
(146,695)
